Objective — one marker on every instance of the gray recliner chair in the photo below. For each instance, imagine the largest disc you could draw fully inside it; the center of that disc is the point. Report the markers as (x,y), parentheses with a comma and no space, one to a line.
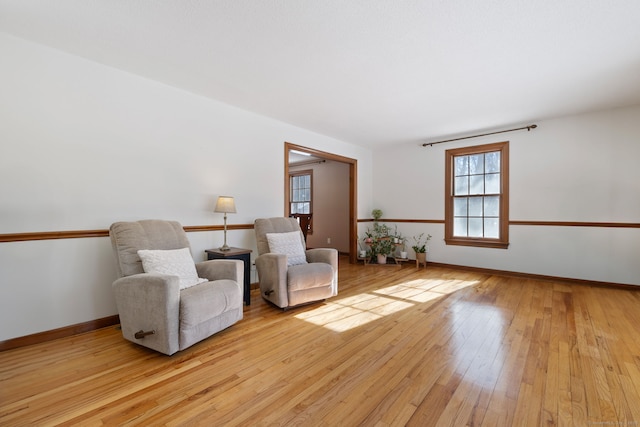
(289,274)
(179,302)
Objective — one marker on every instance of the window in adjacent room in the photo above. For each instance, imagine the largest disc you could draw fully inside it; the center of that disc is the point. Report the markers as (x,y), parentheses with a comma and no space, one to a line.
(301,197)
(477,196)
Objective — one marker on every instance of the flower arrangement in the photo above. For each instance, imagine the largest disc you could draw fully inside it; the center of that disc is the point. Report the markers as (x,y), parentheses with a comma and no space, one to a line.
(420,246)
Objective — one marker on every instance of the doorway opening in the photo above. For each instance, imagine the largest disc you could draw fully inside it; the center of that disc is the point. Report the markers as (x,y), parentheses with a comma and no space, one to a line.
(317,156)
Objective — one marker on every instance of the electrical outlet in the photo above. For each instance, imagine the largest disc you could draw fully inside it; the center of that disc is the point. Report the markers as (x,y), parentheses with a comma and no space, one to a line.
(328,240)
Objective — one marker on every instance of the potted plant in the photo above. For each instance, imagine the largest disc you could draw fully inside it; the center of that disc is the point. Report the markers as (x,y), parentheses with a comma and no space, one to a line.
(420,248)
(396,234)
(364,244)
(380,242)
(382,248)
(400,242)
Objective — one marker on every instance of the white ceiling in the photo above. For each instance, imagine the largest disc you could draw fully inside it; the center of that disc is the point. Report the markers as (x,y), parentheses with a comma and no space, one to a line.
(370,72)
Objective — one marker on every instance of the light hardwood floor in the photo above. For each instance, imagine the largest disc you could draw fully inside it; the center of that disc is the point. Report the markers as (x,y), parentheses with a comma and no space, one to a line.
(398,346)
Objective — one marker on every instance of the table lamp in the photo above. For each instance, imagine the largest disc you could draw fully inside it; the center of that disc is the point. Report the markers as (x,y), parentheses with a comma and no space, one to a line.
(225,204)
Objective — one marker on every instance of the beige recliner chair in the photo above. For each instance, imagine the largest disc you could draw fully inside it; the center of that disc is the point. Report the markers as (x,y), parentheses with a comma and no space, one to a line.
(166,301)
(288,273)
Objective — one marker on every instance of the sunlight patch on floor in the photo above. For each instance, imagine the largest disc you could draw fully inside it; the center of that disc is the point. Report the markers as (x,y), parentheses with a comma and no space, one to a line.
(343,314)
(351,312)
(425,290)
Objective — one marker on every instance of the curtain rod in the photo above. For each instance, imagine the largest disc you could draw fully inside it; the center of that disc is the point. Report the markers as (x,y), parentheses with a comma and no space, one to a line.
(307,162)
(528,128)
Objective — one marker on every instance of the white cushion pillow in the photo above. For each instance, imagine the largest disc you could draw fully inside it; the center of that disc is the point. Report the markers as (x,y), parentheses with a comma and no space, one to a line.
(173,262)
(289,244)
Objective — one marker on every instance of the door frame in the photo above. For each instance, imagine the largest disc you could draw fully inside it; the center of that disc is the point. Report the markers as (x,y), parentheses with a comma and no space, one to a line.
(353,186)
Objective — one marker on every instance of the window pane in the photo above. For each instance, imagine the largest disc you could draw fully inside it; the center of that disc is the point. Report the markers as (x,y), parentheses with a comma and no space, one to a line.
(492,162)
(492,183)
(475,227)
(460,227)
(475,206)
(461,186)
(476,184)
(476,164)
(491,228)
(460,206)
(462,165)
(492,206)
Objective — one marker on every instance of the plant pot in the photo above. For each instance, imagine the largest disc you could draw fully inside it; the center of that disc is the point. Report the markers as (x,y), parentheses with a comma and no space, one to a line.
(382,259)
(421,258)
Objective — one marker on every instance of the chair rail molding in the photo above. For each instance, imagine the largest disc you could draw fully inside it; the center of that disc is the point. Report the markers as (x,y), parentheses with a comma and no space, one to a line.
(79,234)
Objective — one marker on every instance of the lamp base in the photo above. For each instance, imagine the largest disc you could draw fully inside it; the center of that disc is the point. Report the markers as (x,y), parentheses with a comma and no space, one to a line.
(225,247)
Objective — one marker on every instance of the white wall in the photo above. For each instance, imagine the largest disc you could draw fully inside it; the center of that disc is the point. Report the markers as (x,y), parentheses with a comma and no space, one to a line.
(83,145)
(575,169)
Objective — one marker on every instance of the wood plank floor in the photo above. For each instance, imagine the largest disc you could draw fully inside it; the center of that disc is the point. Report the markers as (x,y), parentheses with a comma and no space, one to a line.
(398,346)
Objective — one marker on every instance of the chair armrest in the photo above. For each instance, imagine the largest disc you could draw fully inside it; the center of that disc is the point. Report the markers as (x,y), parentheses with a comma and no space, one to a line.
(272,275)
(217,269)
(146,302)
(326,255)
(152,288)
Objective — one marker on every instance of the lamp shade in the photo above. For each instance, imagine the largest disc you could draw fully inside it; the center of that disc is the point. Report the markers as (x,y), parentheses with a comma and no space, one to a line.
(225,204)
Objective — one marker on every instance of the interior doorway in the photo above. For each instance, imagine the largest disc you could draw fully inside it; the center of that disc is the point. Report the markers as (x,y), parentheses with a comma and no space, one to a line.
(352,188)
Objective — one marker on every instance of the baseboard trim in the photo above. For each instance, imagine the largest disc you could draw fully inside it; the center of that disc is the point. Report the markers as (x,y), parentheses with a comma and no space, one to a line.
(535,276)
(63,332)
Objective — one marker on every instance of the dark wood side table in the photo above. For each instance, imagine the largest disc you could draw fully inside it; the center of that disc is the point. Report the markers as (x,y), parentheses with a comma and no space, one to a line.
(243,255)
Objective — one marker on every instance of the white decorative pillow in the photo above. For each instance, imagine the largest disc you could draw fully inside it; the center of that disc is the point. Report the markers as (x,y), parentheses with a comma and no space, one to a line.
(173,262)
(289,244)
